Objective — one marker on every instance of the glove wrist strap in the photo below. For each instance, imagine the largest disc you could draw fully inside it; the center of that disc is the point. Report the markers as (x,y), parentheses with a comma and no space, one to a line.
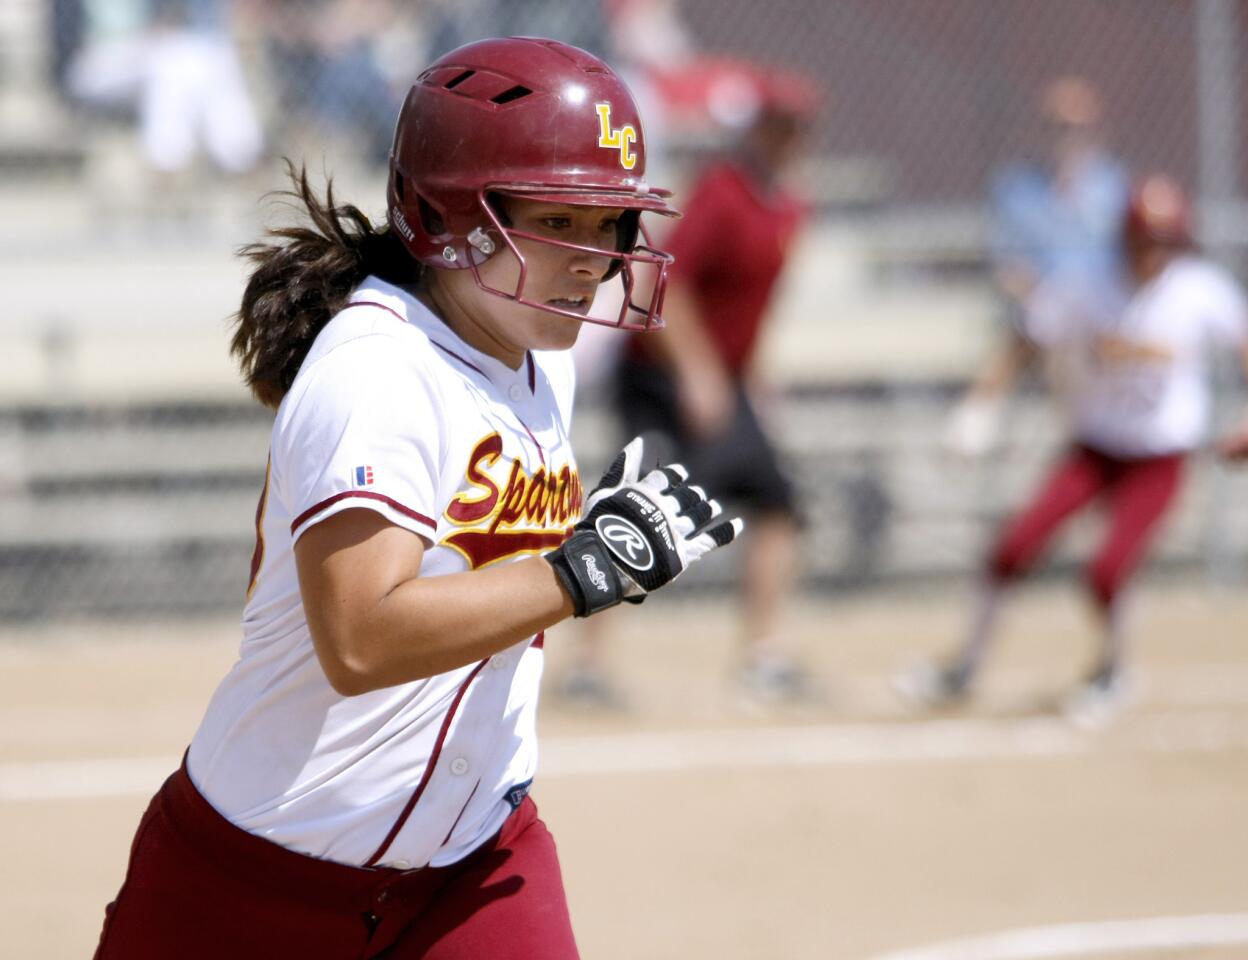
(585,570)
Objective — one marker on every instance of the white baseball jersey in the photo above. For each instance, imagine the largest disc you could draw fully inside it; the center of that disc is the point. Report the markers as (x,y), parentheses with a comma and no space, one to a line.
(394,413)
(1133,370)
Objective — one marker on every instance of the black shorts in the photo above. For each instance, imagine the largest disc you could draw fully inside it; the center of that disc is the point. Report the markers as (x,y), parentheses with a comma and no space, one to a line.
(739,466)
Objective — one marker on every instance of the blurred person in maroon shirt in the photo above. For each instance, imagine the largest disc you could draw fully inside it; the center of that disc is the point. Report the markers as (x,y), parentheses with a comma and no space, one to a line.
(693,390)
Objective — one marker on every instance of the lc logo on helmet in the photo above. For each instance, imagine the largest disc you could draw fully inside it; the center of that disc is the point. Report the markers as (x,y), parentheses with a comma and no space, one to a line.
(621,139)
(625,541)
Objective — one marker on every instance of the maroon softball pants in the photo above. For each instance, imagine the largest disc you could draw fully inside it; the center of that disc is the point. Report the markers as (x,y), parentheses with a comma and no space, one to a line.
(1136,493)
(197,887)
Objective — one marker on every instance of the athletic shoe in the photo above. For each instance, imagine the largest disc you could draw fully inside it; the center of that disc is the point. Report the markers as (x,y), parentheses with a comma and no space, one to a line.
(1096,701)
(932,686)
(776,680)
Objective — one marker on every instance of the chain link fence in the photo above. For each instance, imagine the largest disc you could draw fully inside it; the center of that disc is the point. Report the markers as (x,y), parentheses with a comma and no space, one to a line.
(132,127)
(921,100)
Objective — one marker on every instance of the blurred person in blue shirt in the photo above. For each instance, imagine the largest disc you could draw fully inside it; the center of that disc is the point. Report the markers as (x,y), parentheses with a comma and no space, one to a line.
(1055,224)
(1059,218)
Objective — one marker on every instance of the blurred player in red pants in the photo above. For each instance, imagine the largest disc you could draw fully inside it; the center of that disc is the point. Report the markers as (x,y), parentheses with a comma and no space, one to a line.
(695,395)
(1133,376)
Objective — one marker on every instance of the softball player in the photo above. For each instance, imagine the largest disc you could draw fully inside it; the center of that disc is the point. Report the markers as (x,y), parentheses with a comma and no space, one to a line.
(1131,370)
(359,784)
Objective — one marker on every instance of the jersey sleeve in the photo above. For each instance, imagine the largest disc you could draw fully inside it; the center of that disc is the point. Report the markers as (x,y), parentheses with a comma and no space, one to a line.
(1225,309)
(1049,316)
(362,428)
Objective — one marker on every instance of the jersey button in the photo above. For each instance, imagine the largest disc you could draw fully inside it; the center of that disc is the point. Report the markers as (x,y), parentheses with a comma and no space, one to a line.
(516,392)
(459,766)
(498,663)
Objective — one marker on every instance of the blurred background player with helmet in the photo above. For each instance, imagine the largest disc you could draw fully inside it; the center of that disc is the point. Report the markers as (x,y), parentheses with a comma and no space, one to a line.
(1060,216)
(1133,379)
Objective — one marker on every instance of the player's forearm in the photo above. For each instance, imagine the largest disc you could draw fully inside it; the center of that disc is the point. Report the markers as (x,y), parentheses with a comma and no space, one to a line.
(429,625)
(998,375)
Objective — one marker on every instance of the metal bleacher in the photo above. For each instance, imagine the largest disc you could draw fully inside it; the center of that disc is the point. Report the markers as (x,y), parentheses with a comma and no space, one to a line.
(127,509)
(131,458)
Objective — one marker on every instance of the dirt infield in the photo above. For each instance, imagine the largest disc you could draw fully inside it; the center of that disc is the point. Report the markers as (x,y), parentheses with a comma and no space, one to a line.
(697,825)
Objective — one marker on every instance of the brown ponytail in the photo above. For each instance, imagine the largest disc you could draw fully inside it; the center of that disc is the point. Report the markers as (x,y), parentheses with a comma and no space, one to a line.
(302,279)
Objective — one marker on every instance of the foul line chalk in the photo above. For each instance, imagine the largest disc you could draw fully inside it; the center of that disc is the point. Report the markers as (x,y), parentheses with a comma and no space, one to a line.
(1088,939)
(829,745)
(82,779)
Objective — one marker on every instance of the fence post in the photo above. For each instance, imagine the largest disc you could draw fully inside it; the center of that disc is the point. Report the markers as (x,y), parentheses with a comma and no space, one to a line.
(1218,202)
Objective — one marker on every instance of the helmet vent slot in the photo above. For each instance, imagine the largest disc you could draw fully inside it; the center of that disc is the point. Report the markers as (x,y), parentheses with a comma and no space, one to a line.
(514,93)
(458,79)
(429,218)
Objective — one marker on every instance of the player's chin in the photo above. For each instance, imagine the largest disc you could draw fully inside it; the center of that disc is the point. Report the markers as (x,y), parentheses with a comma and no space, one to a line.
(556,331)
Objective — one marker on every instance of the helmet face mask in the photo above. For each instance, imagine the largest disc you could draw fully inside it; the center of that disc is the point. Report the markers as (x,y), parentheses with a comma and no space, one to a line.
(532,119)
(629,264)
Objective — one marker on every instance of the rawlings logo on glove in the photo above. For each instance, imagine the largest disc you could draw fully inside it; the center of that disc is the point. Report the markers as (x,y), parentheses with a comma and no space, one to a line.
(596,576)
(625,541)
(638,534)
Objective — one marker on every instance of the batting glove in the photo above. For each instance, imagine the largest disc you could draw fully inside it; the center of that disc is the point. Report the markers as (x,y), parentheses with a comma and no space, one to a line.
(637,534)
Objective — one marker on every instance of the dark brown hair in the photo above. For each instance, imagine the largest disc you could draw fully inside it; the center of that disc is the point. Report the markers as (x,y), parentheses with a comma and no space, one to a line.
(303,276)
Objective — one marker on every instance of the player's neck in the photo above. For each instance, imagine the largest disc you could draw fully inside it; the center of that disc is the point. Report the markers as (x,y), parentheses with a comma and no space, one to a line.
(460,322)
(1147,268)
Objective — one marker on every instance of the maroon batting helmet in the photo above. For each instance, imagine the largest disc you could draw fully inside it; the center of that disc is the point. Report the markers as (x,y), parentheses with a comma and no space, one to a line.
(522,117)
(1157,213)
